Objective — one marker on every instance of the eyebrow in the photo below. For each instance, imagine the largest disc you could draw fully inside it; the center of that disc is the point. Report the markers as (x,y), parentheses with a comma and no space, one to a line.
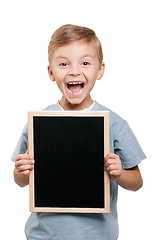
(87,55)
(61,57)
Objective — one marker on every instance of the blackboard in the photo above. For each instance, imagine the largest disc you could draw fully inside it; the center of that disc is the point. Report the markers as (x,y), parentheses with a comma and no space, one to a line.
(69,148)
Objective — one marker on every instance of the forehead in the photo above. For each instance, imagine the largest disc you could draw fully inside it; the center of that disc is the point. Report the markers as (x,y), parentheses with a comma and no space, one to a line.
(76,48)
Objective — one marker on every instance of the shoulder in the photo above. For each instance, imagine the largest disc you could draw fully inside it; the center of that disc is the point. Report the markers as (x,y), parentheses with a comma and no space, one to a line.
(123,141)
(53,107)
(116,122)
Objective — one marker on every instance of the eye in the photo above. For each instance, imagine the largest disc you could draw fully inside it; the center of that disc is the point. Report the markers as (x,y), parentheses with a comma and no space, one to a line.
(63,64)
(86,63)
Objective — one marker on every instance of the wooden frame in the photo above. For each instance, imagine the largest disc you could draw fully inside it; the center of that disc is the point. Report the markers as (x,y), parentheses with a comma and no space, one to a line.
(96,114)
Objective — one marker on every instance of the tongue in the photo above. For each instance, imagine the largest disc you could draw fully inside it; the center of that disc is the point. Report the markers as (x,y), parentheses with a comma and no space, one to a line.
(75,88)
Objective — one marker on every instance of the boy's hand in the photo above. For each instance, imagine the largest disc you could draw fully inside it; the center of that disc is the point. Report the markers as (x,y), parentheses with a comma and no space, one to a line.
(24,163)
(112,164)
(129,179)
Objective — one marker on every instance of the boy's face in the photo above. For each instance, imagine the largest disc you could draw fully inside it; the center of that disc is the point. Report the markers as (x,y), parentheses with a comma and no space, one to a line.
(75,68)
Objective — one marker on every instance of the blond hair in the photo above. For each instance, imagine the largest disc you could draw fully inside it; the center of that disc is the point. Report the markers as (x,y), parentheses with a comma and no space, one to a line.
(69,33)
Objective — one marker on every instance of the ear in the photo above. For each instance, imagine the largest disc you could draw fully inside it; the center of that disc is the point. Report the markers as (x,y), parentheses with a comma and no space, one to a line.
(50,72)
(101,71)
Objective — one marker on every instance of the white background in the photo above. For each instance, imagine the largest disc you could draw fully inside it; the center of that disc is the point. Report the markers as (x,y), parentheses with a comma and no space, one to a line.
(129,32)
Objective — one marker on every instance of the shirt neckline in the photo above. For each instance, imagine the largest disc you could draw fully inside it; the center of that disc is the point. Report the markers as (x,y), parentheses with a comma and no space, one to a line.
(86,109)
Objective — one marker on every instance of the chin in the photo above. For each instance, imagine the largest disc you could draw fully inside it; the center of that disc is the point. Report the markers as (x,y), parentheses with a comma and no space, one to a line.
(75,102)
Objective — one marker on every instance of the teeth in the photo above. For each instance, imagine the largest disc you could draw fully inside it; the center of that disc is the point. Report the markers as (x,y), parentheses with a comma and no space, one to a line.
(75,83)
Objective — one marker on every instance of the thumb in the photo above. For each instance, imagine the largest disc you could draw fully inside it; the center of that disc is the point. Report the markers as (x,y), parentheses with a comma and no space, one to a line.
(109,148)
(27,151)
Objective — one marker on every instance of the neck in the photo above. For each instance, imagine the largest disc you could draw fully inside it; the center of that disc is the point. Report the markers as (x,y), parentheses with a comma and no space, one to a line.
(76,107)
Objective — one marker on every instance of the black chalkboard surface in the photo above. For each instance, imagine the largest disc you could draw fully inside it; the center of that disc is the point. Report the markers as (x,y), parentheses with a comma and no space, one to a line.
(69,149)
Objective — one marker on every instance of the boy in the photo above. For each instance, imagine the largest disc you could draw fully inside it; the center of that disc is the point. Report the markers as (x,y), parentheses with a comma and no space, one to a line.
(75,62)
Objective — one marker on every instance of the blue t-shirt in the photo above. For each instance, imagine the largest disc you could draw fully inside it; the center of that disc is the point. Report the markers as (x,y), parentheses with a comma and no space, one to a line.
(83,226)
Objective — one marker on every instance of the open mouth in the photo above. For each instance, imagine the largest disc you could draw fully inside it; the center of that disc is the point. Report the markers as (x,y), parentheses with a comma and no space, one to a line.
(75,87)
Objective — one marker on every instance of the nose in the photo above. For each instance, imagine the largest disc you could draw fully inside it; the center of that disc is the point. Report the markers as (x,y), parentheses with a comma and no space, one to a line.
(74,70)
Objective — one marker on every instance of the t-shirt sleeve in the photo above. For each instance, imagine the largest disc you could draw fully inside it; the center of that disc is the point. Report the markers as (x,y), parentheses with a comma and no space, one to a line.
(22,143)
(127,147)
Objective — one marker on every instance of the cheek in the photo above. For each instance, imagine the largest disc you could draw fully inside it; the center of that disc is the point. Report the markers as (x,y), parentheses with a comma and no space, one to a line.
(91,73)
(91,77)
(59,75)
(60,84)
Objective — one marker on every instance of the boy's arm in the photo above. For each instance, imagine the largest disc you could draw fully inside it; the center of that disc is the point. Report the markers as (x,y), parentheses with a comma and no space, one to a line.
(24,163)
(130,179)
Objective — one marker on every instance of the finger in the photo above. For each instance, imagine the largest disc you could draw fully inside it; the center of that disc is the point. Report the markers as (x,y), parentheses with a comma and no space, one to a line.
(24,162)
(110,155)
(110,162)
(114,173)
(23,156)
(26,173)
(25,167)
(113,167)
